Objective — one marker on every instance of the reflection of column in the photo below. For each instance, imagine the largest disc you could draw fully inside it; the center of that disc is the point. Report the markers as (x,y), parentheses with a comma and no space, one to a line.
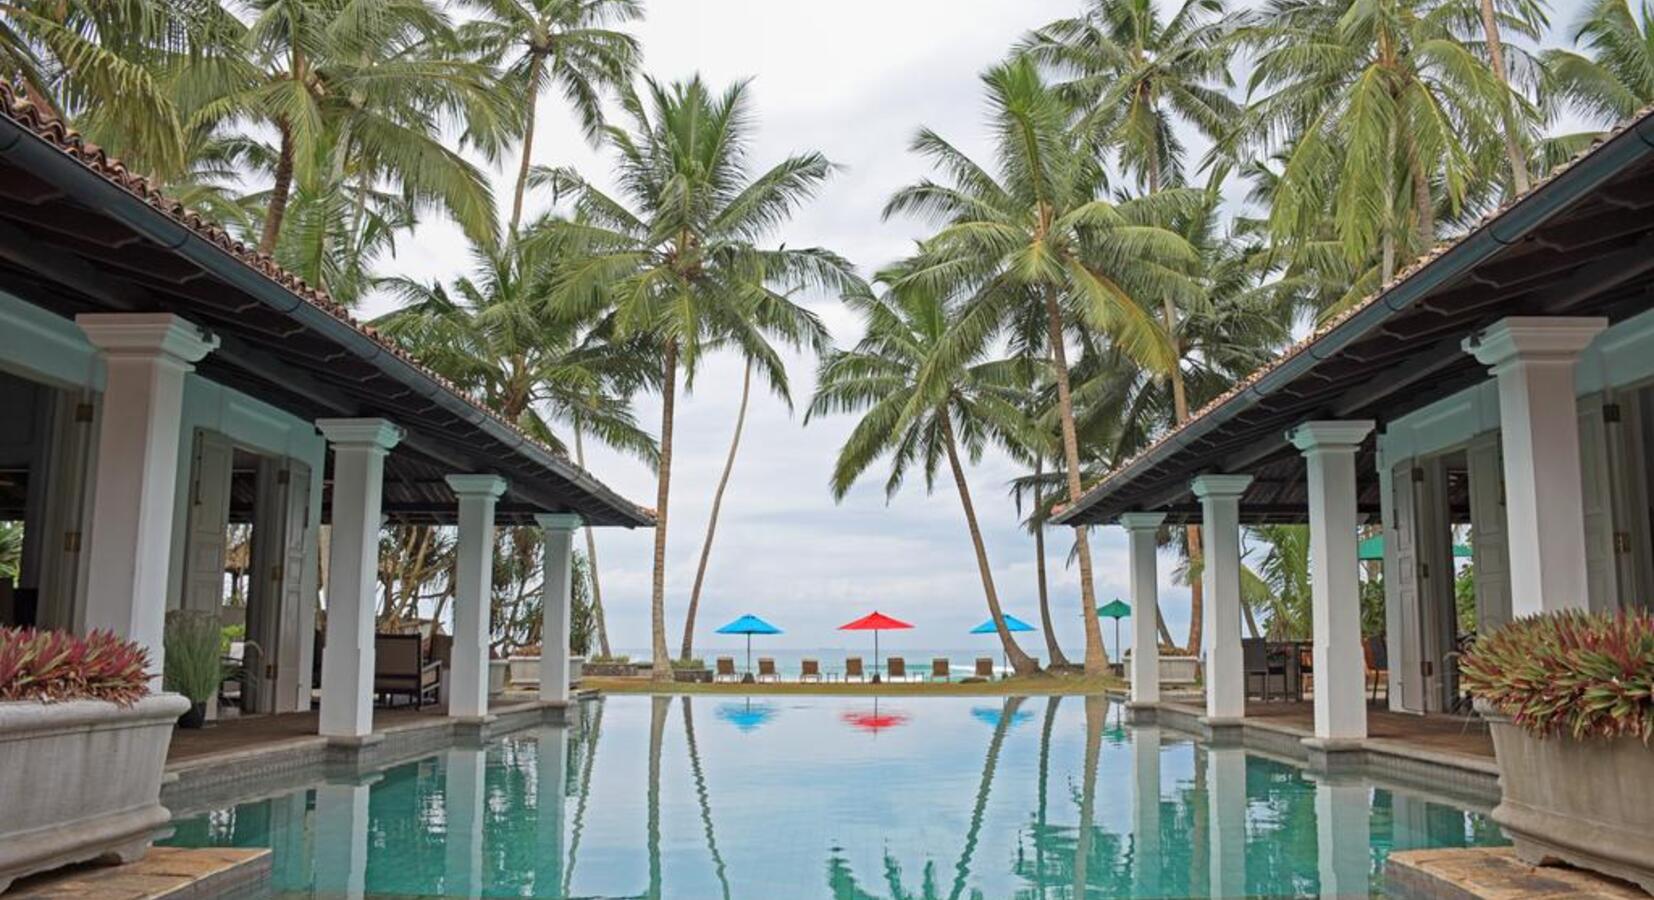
(1226,785)
(1343,838)
(1145,811)
(342,839)
(551,773)
(464,797)
(1145,606)
(1409,822)
(291,842)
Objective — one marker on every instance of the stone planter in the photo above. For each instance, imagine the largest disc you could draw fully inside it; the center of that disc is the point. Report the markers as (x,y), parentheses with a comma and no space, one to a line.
(607,670)
(692,676)
(1586,803)
(499,672)
(81,780)
(523,669)
(1174,670)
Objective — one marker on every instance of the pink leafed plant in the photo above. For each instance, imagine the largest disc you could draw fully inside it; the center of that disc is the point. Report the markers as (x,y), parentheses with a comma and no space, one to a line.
(1570,673)
(54,666)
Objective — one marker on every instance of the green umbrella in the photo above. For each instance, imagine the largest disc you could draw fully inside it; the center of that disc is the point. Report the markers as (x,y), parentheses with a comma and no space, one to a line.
(1372,548)
(1115,609)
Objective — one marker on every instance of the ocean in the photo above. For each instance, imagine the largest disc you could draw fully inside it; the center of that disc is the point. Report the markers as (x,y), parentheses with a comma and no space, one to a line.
(787,660)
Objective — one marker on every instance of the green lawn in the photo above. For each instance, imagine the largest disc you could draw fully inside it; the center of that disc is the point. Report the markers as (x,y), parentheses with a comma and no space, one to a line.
(1032,685)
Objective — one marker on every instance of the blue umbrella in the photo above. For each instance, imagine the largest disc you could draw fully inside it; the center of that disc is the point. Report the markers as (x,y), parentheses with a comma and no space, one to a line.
(1012,623)
(746,717)
(749,625)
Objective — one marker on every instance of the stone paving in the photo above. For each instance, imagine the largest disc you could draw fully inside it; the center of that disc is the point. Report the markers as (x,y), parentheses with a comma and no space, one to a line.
(172,873)
(1493,873)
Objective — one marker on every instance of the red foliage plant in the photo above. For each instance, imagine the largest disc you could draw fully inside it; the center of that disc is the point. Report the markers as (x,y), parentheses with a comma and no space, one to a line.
(54,666)
(1570,673)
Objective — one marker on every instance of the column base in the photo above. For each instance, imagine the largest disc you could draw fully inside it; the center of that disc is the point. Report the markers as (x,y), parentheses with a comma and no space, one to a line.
(1140,712)
(1335,756)
(1223,731)
(472,726)
(353,753)
(555,712)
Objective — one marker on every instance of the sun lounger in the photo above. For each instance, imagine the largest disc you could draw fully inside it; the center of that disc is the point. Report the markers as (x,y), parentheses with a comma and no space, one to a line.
(725,669)
(766,669)
(853,669)
(402,667)
(939,669)
(809,670)
(985,667)
(896,669)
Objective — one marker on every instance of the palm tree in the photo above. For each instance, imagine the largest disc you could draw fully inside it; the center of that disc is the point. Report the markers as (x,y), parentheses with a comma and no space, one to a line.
(1533,13)
(919,421)
(567,44)
(377,79)
(682,264)
(1138,76)
(1616,79)
(712,516)
(1280,583)
(1033,245)
(1385,112)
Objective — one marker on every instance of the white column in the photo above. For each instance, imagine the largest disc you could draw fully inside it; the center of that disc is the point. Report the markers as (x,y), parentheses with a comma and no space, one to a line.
(359,448)
(1220,579)
(1141,528)
(554,606)
(464,800)
(1145,813)
(473,593)
(1335,578)
(1343,838)
(1534,360)
(146,356)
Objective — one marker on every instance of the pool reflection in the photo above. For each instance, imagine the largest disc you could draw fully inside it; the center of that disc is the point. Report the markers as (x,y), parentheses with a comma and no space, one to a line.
(633,802)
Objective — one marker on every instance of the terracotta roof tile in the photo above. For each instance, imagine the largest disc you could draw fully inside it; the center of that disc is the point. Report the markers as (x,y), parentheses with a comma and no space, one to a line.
(55,132)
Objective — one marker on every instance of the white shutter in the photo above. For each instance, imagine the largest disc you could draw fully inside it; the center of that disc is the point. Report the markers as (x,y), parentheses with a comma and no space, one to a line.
(1489,538)
(209,521)
(1601,569)
(1401,586)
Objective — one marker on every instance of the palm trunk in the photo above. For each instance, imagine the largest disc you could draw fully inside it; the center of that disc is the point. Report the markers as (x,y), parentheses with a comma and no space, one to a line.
(1020,661)
(591,559)
(279,191)
(1496,56)
(1057,657)
(712,519)
(528,146)
(701,795)
(1191,533)
(1423,203)
(1096,655)
(662,670)
(594,731)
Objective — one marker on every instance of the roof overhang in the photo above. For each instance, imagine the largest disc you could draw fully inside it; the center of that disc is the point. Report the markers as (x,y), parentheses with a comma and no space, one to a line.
(1579,243)
(80,234)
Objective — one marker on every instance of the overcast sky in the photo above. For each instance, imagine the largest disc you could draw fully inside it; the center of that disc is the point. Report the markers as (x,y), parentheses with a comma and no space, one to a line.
(853,79)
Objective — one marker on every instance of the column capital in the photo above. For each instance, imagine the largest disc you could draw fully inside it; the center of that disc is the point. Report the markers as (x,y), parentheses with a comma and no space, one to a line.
(473,486)
(1142,521)
(558,521)
(1332,434)
(1218,487)
(147,335)
(1534,339)
(365,433)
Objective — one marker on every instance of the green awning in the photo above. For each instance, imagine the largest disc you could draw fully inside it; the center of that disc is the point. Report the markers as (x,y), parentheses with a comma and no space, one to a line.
(1373,549)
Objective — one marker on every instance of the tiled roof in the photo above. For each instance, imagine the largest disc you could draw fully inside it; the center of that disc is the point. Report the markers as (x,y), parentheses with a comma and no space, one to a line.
(1329,326)
(53,130)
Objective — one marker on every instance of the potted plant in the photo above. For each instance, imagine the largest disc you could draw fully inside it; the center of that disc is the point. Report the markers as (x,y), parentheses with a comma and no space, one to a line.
(692,671)
(1570,701)
(84,743)
(194,662)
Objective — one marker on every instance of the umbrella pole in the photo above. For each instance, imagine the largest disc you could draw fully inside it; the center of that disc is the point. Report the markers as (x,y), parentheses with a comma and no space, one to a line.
(876,654)
(749,651)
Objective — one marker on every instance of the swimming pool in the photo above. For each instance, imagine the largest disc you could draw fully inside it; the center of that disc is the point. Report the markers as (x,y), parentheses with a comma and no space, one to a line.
(841,797)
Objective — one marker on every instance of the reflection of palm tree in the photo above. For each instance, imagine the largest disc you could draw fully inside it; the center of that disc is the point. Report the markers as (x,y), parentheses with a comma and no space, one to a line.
(962,869)
(657,732)
(701,795)
(1096,710)
(842,882)
(1040,829)
(592,733)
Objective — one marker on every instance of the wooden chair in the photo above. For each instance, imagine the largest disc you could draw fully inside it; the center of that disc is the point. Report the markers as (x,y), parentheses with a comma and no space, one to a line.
(853,669)
(896,669)
(939,669)
(402,667)
(766,669)
(1262,659)
(809,670)
(985,667)
(724,669)
(1376,651)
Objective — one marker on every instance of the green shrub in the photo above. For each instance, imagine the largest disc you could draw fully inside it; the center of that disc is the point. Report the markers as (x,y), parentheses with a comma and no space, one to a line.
(194,664)
(616,660)
(687,664)
(1569,673)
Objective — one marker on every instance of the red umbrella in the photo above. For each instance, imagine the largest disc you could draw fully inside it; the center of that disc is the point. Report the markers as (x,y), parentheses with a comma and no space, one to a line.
(875,622)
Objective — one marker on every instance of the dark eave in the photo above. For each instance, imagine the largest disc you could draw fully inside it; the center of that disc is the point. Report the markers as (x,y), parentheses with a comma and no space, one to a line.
(79,233)
(1579,243)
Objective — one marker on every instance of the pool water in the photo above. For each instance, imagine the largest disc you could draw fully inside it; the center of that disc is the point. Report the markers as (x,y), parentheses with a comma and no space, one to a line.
(840,797)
